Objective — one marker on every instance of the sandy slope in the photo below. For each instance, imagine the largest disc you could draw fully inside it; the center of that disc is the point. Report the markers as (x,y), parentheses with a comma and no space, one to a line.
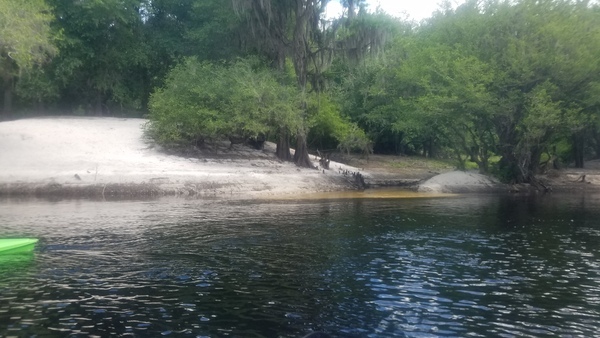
(86,156)
(564,180)
(460,182)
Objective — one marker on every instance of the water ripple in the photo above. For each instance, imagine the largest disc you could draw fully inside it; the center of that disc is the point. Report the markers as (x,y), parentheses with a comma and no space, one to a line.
(428,268)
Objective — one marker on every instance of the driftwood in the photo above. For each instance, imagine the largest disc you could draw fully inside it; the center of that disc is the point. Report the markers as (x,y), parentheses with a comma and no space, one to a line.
(539,185)
(357,179)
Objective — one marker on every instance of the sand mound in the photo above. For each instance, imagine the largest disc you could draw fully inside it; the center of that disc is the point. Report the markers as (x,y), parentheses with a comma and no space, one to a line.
(460,182)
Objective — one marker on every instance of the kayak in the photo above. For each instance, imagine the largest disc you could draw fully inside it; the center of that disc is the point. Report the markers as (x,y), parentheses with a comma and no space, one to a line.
(16,245)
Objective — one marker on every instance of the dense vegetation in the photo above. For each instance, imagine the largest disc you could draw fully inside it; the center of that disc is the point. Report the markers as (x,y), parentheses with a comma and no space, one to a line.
(511,86)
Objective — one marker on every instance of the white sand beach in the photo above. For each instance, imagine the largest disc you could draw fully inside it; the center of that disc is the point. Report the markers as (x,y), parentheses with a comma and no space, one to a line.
(80,153)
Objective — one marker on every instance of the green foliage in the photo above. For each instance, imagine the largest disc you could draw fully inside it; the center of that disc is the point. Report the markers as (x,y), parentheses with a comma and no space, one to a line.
(365,34)
(492,78)
(365,94)
(207,29)
(25,35)
(36,86)
(563,150)
(352,138)
(103,54)
(202,100)
(26,42)
(187,108)
(331,130)
(543,116)
(295,31)
(518,80)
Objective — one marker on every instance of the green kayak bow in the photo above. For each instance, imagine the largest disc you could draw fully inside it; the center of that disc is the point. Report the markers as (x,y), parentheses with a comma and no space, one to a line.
(16,245)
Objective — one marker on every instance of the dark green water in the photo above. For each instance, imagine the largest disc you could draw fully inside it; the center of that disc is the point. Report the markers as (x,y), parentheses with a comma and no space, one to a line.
(467,266)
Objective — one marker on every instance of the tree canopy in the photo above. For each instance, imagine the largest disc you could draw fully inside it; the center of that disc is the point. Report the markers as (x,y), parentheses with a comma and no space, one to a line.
(202,101)
(494,78)
(26,41)
(509,86)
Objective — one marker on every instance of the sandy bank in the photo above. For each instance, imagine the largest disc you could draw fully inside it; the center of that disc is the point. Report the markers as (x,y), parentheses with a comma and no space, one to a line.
(111,158)
(101,157)
(567,180)
(461,182)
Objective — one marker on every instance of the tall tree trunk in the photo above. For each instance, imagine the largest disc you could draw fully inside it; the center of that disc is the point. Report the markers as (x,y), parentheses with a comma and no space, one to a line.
(301,157)
(351,9)
(99,103)
(534,162)
(484,166)
(507,143)
(596,134)
(398,144)
(283,147)
(509,168)
(8,95)
(578,149)
(429,148)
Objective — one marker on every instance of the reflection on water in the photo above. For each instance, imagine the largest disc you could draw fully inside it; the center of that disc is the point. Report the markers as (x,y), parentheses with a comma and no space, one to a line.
(458,266)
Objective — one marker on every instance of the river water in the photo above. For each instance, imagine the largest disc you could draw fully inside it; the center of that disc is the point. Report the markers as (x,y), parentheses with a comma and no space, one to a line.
(476,266)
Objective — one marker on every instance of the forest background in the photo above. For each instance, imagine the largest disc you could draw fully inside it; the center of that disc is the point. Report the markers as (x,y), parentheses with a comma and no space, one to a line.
(512,86)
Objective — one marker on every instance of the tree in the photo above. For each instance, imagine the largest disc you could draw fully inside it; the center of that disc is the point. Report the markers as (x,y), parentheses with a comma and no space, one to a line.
(331,130)
(295,30)
(500,77)
(544,66)
(26,41)
(208,30)
(104,55)
(207,101)
(573,33)
(366,94)
(285,29)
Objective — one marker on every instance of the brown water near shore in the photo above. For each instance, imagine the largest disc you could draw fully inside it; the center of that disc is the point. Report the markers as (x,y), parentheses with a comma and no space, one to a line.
(381,193)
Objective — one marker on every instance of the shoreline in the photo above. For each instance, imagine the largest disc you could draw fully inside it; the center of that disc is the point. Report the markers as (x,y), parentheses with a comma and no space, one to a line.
(96,157)
(148,191)
(110,158)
